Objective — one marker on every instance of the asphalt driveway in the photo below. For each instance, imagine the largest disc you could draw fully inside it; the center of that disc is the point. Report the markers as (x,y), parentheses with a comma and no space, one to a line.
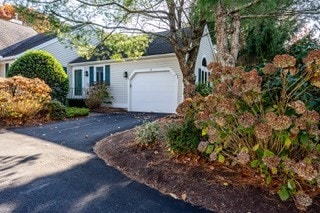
(52,168)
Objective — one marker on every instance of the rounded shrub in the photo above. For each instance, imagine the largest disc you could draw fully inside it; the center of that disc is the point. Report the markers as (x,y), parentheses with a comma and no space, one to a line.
(41,64)
(57,111)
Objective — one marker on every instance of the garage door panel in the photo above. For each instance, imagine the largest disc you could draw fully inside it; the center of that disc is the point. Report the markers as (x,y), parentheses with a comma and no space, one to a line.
(154,92)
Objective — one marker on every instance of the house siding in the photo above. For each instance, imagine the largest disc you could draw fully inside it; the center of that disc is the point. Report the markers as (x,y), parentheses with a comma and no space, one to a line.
(119,85)
(206,50)
(62,53)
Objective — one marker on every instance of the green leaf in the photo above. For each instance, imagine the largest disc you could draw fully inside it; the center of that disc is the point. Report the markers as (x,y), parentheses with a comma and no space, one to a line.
(256,147)
(318,148)
(245,149)
(268,179)
(287,143)
(304,139)
(204,132)
(254,164)
(221,158)
(260,153)
(218,149)
(268,153)
(283,194)
(209,149)
(291,185)
(274,170)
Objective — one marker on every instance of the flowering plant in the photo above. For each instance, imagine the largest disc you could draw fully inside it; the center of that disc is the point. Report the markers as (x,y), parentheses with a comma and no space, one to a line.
(252,121)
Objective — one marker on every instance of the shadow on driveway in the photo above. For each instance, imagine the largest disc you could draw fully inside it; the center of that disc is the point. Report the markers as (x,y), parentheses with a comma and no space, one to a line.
(81,134)
(89,187)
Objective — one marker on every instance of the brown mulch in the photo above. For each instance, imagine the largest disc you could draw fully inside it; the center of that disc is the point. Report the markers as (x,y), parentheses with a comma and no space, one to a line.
(191,178)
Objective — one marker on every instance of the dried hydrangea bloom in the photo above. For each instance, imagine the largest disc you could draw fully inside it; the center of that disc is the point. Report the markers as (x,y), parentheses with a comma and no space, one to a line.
(237,86)
(305,171)
(221,88)
(271,161)
(269,69)
(243,157)
(246,120)
(311,117)
(284,61)
(315,81)
(300,123)
(280,122)
(298,106)
(295,130)
(263,131)
(211,102)
(215,66)
(271,118)
(213,156)
(237,71)
(289,164)
(302,201)
(250,97)
(213,134)
(293,71)
(185,106)
(313,56)
(226,70)
(203,146)
(314,130)
(226,106)
(220,120)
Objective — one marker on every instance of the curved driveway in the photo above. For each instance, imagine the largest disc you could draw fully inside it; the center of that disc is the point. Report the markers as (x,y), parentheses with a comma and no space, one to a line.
(52,168)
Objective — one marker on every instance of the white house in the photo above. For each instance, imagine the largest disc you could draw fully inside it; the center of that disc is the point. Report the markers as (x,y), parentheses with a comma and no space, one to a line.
(152,83)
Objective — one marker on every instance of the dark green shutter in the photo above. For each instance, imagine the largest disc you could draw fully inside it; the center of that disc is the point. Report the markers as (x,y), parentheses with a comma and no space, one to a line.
(6,69)
(65,70)
(91,75)
(107,74)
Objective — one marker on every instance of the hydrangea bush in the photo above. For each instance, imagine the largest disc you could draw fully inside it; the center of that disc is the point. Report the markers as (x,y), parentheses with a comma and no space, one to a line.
(263,121)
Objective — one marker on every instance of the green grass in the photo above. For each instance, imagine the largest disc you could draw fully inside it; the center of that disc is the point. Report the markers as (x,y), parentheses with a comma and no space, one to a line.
(73,112)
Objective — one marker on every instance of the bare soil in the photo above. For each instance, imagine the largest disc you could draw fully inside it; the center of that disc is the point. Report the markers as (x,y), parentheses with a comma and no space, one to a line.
(192,178)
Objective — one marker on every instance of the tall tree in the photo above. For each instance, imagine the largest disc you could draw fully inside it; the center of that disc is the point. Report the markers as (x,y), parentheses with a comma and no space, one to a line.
(147,16)
(183,21)
(229,17)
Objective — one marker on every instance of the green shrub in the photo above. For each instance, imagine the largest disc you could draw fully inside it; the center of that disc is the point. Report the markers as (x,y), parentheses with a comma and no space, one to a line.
(57,110)
(41,64)
(147,133)
(76,112)
(97,95)
(203,89)
(184,138)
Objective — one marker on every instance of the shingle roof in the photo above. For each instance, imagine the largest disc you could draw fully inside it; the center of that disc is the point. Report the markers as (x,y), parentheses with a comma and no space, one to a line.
(26,44)
(158,46)
(11,33)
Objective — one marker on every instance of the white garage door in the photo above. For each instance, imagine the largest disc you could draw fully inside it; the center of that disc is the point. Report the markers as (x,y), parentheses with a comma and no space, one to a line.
(154,92)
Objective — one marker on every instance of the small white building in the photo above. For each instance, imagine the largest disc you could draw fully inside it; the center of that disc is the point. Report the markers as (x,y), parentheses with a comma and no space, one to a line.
(152,83)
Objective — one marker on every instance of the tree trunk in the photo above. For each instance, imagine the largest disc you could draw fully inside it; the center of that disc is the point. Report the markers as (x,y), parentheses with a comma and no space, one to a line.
(227,36)
(235,37)
(221,35)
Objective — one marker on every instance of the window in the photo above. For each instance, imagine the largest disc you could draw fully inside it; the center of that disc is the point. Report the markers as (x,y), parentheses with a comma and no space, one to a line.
(203,73)
(99,75)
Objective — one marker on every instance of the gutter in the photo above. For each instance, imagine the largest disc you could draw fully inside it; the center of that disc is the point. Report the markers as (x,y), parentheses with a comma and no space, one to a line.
(7,58)
(168,55)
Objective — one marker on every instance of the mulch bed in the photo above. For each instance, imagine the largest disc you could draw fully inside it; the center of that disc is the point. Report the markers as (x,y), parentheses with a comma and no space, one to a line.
(191,178)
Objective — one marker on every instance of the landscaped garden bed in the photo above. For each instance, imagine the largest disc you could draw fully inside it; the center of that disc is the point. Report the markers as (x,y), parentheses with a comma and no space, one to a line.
(251,143)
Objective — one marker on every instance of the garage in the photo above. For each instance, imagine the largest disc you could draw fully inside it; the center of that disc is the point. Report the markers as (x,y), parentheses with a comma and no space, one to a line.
(153,91)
